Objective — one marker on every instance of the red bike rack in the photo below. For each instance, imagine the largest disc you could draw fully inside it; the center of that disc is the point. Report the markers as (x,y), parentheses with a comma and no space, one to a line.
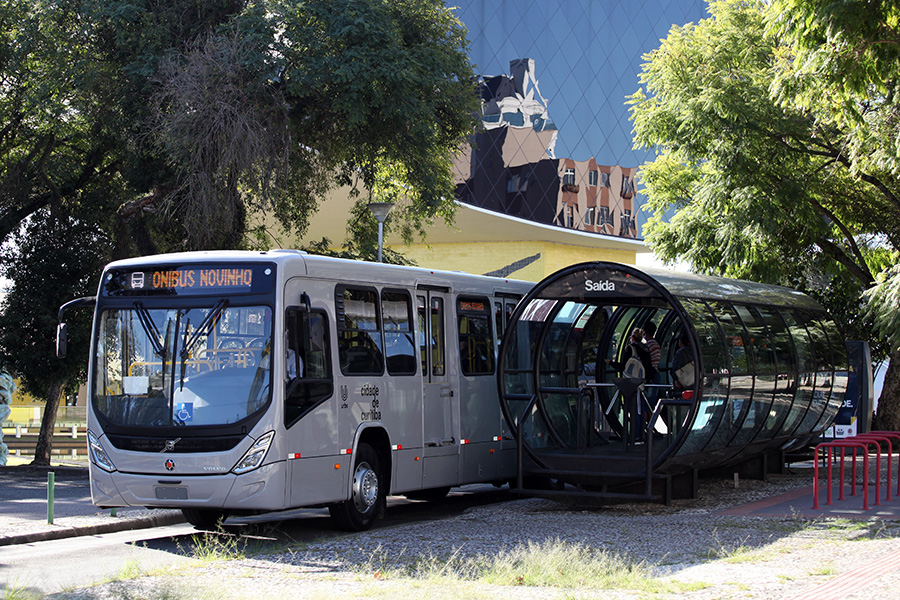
(889,437)
(830,448)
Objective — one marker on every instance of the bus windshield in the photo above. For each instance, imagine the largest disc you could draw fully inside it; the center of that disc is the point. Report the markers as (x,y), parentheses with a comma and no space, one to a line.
(164,367)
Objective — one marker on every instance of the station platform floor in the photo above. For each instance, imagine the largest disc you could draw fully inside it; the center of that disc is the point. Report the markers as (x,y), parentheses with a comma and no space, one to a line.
(800,503)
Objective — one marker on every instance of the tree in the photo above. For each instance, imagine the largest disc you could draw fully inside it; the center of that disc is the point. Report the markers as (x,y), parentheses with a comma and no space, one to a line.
(161,126)
(58,255)
(280,104)
(763,186)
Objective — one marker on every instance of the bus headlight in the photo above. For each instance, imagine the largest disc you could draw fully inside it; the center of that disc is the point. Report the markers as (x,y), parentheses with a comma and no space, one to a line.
(255,455)
(98,454)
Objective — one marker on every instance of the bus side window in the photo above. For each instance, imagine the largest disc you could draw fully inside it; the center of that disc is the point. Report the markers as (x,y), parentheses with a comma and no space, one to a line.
(399,348)
(309,380)
(423,332)
(476,346)
(359,331)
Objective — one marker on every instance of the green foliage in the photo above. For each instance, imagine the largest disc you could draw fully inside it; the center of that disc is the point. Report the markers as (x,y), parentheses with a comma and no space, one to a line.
(845,67)
(59,257)
(883,305)
(385,91)
(130,127)
(762,186)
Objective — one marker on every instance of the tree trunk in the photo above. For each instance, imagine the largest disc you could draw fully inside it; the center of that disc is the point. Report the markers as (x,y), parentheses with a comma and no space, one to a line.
(888,414)
(48,423)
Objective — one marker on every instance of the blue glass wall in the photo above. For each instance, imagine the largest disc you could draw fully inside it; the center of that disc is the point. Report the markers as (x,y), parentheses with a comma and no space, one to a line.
(587,56)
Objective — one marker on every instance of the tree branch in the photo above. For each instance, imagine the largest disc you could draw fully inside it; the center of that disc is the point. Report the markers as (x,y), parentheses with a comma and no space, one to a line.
(835,252)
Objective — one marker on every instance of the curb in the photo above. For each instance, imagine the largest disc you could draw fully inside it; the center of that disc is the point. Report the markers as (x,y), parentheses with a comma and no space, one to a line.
(70,532)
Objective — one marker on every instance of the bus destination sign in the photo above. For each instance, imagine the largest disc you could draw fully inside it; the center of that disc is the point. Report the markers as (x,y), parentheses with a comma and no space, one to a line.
(190,280)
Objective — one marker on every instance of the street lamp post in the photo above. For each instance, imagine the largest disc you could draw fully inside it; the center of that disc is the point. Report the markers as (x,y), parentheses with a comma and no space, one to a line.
(380,210)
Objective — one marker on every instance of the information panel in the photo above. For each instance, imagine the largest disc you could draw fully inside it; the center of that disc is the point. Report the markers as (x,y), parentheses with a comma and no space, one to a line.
(207,280)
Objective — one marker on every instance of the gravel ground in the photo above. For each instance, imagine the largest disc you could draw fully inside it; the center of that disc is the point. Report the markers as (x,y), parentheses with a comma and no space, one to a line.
(686,550)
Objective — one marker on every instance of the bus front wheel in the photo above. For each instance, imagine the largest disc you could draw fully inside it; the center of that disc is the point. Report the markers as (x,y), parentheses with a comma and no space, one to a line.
(367,497)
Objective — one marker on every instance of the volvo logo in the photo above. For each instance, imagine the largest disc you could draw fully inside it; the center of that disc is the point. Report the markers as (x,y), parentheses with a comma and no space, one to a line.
(170,465)
(170,445)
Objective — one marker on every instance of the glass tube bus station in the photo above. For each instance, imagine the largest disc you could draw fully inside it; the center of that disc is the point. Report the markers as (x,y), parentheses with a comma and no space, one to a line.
(770,372)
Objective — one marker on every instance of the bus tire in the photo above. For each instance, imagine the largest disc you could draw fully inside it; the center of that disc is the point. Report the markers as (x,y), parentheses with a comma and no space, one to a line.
(205,519)
(367,498)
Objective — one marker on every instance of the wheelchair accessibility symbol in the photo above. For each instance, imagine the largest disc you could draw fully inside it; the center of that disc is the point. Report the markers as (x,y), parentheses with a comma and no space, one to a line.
(184,412)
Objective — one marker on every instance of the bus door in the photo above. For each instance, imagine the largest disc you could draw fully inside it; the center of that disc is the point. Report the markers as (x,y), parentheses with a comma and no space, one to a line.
(504,305)
(440,398)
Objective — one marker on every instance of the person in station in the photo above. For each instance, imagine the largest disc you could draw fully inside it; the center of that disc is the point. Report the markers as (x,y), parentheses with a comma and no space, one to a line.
(635,364)
(635,349)
(683,364)
(655,351)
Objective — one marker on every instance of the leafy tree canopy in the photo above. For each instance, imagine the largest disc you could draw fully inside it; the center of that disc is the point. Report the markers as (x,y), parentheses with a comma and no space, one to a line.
(775,126)
(140,127)
(755,180)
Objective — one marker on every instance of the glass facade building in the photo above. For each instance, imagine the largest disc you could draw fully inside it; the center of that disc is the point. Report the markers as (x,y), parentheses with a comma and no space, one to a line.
(557,146)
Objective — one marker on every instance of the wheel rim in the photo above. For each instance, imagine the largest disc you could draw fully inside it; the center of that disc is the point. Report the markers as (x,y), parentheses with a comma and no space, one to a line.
(365,487)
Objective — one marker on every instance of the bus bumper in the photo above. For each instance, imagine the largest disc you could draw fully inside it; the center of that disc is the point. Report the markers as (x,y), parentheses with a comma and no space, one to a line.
(261,489)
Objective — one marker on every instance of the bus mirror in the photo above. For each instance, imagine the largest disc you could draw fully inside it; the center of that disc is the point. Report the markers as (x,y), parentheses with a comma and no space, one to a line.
(61,329)
(62,335)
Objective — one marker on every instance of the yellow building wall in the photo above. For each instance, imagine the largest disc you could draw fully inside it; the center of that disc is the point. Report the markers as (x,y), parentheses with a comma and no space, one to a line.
(480,258)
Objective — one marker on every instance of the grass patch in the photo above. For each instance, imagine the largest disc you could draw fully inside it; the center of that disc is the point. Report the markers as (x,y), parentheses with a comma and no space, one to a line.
(212,546)
(130,570)
(15,592)
(734,553)
(551,564)
(824,570)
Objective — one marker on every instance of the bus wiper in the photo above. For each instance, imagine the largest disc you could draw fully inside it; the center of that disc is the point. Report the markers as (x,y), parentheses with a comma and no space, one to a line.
(205,328)
(150,328)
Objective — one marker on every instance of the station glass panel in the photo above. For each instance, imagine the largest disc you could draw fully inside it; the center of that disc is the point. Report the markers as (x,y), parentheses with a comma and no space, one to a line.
(785,367)
(735,413)
(768,416)
(518,383)
(558,369)
(736,339)
(821,362)
(803,362)
(762,360)
(841,371)
(712,345)
(714,393)
(738,363)
(709,413)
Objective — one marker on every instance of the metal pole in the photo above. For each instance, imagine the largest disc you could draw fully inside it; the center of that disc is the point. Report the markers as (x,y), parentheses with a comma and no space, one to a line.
(51,479)
(380,238)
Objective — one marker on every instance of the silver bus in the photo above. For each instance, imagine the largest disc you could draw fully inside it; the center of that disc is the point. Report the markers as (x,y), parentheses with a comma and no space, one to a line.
(245,382)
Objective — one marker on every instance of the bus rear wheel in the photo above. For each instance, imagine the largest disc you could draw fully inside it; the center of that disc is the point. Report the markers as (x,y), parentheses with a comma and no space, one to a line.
(367,497)
(205,519)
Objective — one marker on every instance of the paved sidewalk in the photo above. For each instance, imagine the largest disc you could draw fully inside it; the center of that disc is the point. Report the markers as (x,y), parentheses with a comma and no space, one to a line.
(24,507)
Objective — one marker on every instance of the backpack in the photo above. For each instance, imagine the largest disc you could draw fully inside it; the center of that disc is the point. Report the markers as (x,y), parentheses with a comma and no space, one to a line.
(640,353)
(634,368)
